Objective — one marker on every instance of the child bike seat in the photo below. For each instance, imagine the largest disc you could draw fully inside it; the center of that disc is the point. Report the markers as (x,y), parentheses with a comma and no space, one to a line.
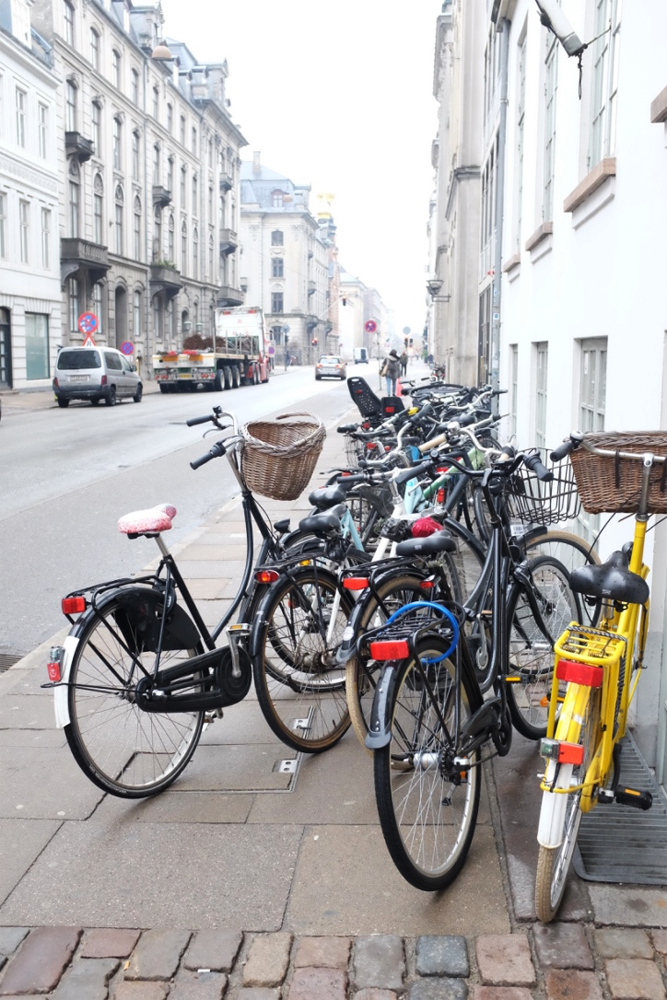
(147,522)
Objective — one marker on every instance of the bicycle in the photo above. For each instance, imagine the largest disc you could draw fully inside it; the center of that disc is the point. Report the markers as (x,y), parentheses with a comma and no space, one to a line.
(600,666)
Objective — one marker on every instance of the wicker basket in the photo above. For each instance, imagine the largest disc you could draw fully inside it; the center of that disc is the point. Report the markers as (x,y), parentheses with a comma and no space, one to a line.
(613,484)
(279,456)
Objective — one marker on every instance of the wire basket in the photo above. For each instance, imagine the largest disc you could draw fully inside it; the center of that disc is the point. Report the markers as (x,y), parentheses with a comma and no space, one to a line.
(534,501)
(278,456)
(611,484)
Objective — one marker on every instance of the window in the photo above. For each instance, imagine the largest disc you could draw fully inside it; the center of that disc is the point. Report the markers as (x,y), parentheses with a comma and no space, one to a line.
(514,387)
(182,130)
(593,384)
(156,164)
(194,140)
(96,120)
(43,125)
(136,229)
(157,318)
(211,257)
(46,238)
(277,267)
(156,102)
(195,253)
(3,223)
(277,199)
(24,231)
(488,224)
(98,210)
(541,364)
(134,87)
(36,345)
(68,11)
(195,206)
(95,48)
(136,154)
(170,118)
(276,238)
(184,247)
(276,302)
(171,241)
(70,106)
(520,143)
(73,301)
(157,233)
(605,80)
(210,201)
(115,68)
(117,142)
(21,110)
(550,85)
(74,198)
(98,301)
(170,174)
(118,219)
(137,315)
(184,179)
(210,154)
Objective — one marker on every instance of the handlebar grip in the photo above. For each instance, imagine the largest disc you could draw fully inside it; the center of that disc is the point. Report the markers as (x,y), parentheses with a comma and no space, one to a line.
(534,463)
(414,472)
(193,421)
(433,443)
(217,451)
(562,450)
(469,418)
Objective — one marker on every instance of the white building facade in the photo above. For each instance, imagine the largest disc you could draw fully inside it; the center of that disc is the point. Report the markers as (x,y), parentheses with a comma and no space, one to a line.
(30,297)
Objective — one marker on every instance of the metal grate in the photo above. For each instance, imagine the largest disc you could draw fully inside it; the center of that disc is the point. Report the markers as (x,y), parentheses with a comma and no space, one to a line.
(617,843)
(8,660)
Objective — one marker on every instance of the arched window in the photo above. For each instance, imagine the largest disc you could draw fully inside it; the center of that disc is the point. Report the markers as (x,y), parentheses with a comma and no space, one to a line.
(136,231)
(276,238)
(184,247)
(118,219)
(171,244)
(74,192)
(137,312)
(195,252)
(98,210)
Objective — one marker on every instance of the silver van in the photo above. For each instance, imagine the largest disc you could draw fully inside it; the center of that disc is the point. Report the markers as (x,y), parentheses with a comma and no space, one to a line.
(95,373)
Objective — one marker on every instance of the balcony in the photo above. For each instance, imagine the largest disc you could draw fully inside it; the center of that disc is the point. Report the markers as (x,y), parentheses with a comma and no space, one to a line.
(165,278)
(226,183)
(228,241)
(161,195)
(78,147)
(228,296)
(77,256)
(312,287)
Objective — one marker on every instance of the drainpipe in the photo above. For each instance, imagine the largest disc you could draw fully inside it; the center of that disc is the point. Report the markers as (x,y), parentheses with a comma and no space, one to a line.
(500,206)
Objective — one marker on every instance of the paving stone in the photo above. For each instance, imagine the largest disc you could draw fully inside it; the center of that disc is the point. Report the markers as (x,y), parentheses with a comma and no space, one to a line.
(140,991)
(158,954)
(445,955)
(87,980)
(379,961)
(255,993)
(623,942)
(375,994)
(318,984)
(660,941)
(562,946)
(634,979)
(109,942)
(436,988)
(572,984)
(213,949)
(41,961)
(504,960)
(10,939)
(267,960)
(323,953)
(199,986)
(500,993)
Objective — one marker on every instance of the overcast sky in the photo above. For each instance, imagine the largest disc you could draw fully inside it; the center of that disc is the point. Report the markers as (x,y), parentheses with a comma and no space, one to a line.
(338,96)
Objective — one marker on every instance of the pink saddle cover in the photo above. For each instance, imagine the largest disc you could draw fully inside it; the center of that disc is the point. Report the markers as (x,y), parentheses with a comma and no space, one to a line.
(150,521)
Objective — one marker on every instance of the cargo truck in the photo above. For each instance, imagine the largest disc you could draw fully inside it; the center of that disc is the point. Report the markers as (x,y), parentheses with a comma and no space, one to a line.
(237,354)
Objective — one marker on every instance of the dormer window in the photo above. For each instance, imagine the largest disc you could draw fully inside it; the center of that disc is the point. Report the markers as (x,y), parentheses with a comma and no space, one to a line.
(277,199)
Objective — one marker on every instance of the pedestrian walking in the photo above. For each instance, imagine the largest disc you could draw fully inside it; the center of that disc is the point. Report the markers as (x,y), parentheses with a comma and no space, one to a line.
(391,369)
(404,363)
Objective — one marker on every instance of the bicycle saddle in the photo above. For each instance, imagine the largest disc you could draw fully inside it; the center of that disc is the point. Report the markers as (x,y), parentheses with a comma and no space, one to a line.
(147,522)
(326,497)
(321,524)
(441,541)
(611,581)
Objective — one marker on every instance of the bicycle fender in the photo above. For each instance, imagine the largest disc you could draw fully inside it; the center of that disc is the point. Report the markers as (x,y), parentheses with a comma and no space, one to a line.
(60,699)
(554,805)
(379,731)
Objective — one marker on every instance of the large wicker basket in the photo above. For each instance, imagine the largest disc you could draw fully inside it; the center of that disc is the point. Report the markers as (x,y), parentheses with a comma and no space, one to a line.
(279,456)
(610,484)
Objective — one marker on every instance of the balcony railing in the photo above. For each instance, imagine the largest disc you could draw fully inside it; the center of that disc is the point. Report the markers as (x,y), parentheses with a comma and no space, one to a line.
(80,255)
(79,147)
(165,278)
(228,241)
(161,195)
(226,182)
(228,296)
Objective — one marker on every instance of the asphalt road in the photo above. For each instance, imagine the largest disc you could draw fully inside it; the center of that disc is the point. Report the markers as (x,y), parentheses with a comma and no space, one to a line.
(68,475)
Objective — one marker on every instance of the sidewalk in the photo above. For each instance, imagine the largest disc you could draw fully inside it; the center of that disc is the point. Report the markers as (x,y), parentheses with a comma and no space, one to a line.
(244,881)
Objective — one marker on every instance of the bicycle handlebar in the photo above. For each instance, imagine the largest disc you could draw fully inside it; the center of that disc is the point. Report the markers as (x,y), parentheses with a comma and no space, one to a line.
(217,451)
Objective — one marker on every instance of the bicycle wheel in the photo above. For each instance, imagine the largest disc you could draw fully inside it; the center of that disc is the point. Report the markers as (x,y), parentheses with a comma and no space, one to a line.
(300,687)
(572,551)
(427,809)
(530,656)
(553,863)
(122,749)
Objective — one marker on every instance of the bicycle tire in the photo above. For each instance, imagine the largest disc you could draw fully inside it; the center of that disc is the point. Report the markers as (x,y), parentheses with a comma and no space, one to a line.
(573,551)
(553,863)
(427,823)
(300,688)
(120,748)
(530,654)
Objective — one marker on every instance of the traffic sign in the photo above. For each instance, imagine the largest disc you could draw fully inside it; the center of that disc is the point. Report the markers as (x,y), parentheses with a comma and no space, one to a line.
(370,326)
(127,347)
(88,323)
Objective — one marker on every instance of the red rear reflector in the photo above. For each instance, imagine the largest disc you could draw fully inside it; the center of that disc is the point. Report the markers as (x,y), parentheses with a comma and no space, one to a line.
(388,650)
(370,446)
(266,576)
(389,409)
(73,605)
(570,753)
(54,671)
(579,673)
(427,585)
(355,583)
(440,495)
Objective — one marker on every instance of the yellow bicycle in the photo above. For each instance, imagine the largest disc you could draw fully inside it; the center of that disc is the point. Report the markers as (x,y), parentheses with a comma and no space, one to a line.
(597,669)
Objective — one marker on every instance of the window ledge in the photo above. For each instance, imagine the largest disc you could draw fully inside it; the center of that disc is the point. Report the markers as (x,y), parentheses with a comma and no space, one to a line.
(659,107)
(546,229)
(591,182)
(512,262)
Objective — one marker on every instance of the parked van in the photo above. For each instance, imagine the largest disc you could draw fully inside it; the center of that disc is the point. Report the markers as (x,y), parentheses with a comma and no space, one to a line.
(360,356)
(95,373)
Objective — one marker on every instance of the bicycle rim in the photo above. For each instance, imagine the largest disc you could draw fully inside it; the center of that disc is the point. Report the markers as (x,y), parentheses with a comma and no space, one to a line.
(125,751)
(427,821)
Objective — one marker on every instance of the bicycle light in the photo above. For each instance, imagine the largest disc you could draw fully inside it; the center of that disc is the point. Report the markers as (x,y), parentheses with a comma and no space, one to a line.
(54,664)
(355,583)
(73,605)
(266,576)
(561,752)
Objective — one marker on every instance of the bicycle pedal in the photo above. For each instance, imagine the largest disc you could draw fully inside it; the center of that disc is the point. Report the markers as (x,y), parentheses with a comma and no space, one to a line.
(634,797)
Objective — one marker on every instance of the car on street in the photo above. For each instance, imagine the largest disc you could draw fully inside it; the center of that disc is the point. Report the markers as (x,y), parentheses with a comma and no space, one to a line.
(330,366)
(95,373)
